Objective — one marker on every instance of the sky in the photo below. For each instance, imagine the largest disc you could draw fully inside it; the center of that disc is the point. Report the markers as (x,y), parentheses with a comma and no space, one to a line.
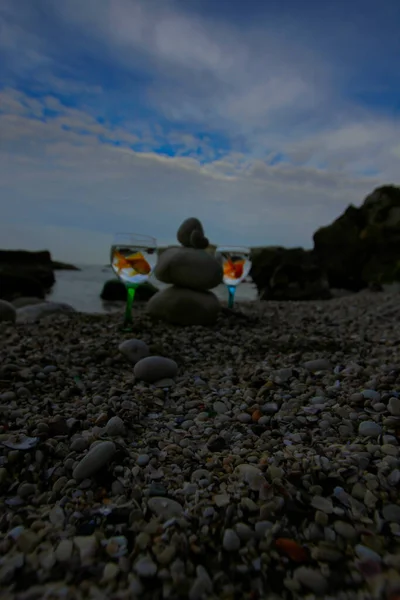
(264,119)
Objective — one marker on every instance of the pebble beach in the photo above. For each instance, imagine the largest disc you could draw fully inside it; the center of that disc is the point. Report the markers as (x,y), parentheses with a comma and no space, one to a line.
(267,467)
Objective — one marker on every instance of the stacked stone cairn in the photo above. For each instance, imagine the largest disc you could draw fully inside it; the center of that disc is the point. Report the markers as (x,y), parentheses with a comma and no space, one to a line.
(192,272)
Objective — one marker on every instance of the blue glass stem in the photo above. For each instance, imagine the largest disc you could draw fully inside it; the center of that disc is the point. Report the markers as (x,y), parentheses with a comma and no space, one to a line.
(131,289)
(231,297)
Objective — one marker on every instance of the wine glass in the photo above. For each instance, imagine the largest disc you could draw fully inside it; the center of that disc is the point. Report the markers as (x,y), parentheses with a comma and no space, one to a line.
(236,266)
(133,258)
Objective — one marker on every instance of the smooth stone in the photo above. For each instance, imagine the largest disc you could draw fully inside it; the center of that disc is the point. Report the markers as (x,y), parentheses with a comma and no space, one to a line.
(231,541)
(143,460)
(371,395)
(325,505)
(87,546)
(189,268)
(180,306)
(198,240)
(251,475)
(345,530)
(165,508)
(394,406)
(154,368)
(369,429)
(220,408)
(7,312)
(391,513)
(319,364)
(35,312)
(145,567)
(64,550)
(134,350)
(311,579)
(187,228)
(94,460)
(115,426)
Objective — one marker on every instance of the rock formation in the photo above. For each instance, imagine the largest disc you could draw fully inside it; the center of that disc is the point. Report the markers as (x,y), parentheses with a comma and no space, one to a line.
(192,272)
(288,274)
(362,246)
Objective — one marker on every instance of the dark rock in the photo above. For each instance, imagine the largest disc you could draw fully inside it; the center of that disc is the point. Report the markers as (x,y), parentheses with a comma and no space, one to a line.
(26,301)
(288,274)
(114,291)
(60,266)
(24,273)
(362,246)
(185,231)
(182,306)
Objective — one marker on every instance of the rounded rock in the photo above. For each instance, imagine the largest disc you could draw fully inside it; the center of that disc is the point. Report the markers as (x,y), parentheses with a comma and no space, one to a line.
(180,306)
(231,541)
(187,228)
(94,460)
(189,268)
(154,368)
(134,350)
(369,429)
(115,426)
(7,312)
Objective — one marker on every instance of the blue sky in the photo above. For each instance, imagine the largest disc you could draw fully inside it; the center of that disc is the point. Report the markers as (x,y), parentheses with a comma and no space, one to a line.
(264,119)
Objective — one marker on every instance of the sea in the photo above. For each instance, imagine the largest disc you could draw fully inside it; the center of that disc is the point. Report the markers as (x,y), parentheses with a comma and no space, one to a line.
(82,289)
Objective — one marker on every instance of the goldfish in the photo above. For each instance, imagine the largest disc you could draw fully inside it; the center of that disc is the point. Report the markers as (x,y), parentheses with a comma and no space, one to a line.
(234,270)
(136,262)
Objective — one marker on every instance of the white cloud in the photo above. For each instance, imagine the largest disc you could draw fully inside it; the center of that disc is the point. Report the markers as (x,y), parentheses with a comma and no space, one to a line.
(263,90)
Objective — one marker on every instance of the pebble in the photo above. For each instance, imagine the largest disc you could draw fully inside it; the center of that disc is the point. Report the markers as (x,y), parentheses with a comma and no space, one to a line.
(345,530)
(394,406)
(115,427)
(145,567)
(319,364)
(231,541)
(323,504)
(165,508)
(99,456)
(143,460)
(391,513)
(369,429)
(134,350)
(64,550)
(311,579)
(154,368)
(87,546)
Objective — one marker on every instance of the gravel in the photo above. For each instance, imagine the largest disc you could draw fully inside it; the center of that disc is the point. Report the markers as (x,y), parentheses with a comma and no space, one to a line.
(264,464)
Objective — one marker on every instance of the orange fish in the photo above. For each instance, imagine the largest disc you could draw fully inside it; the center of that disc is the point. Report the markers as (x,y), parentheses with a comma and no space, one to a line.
(234,270)
(136,262)
(292,549)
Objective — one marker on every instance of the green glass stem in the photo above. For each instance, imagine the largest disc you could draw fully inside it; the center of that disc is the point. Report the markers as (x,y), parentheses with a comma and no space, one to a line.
(231,297)
(131,289)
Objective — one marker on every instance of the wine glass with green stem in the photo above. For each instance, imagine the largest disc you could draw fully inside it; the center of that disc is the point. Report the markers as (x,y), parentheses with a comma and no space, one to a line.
(236,265)
(133,259)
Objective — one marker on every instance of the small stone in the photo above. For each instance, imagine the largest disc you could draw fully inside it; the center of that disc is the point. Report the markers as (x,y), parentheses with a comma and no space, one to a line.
(154,368)
(325,505)
(231,541)
(94,460)
(251,475)
(145,567)
(394,406)
(7,312)
(143,460)
(87,546)
(221,500)
(186,230)
(115,427)
(311,579)
(369,429)
(319,364)
(371,395)
(134,350)
(244,418)
(110,571)
(202,586)
(391,513)
(165,508)
(270,408)
(345,530)
(57,516)
(220,408)
(64,550)
(183,306)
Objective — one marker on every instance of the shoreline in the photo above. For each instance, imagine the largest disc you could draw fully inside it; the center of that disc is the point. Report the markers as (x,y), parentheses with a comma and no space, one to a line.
(270,466)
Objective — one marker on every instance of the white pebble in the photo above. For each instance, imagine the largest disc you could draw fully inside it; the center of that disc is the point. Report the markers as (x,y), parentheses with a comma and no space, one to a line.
(231,541)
